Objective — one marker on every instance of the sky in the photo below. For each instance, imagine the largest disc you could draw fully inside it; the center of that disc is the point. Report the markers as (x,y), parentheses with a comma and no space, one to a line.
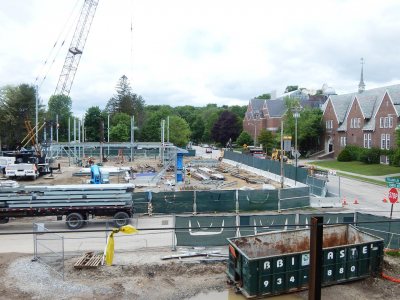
(191,52)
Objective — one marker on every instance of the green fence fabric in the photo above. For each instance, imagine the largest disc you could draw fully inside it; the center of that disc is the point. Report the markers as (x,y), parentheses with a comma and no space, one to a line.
(294,198)
(258,200)
(213,235)
(317,185)
(140,202)
(266,221)
(329,218)
(172,202)
(381,229)
(216,201)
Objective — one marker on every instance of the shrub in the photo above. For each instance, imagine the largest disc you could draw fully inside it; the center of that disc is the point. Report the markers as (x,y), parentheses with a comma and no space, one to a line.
(394,158)
(345,155)
(370,156)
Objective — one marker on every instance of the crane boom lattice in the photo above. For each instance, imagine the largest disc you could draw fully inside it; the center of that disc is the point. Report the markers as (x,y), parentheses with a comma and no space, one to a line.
(76,47)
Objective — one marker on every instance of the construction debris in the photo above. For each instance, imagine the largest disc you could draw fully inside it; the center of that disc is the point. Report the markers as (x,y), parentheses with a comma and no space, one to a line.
(89,260)
(214,253)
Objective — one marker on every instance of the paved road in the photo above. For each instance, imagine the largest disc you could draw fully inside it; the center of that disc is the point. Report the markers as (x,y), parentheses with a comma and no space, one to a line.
(369,196)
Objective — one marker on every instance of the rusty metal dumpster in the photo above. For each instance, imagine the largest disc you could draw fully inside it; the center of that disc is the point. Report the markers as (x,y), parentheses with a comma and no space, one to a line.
(278,262)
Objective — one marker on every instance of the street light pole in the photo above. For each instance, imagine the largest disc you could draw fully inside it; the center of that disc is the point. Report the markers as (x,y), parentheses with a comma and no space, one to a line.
(296,115)
(255,134)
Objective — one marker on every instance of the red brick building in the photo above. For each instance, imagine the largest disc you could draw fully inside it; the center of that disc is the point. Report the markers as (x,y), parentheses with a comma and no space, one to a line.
(267,114)
(367,119)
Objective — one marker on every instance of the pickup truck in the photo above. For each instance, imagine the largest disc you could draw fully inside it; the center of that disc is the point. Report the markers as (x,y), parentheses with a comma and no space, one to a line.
(75,202)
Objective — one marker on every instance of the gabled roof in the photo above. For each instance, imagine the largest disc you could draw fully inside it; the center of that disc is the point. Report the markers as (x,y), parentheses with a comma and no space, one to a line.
(257,104)
(276,108)
(341,105)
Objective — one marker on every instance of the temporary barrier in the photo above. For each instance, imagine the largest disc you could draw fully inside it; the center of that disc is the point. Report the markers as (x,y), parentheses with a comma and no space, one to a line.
(318,186)
(389,231)
(298,197)
(172,202)
(278,262)
(258,200)
(329,218)
(204,230)
(265,223)
(216,201)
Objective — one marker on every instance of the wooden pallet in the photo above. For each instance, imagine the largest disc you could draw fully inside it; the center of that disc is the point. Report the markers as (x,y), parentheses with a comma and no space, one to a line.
(88,260)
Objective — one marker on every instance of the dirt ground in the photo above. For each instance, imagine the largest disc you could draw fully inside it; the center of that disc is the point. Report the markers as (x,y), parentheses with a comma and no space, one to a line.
(142,275)
(230,182)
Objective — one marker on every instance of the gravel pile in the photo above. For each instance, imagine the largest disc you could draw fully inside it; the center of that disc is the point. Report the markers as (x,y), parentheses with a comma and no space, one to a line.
(39,280)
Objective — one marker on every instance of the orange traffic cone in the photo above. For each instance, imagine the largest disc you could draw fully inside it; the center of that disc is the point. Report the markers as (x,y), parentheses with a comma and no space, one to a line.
(384,199)
(344,201)
(355,201)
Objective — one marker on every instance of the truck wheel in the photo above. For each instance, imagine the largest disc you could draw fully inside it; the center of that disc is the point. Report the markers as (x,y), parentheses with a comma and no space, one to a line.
(74,221)
(121,218)
(4,220)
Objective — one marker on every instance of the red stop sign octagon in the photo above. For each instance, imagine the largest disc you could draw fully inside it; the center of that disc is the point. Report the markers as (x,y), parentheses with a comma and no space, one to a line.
(393,195)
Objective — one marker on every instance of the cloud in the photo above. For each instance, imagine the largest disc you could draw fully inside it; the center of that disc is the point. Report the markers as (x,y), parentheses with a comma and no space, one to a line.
(197,52)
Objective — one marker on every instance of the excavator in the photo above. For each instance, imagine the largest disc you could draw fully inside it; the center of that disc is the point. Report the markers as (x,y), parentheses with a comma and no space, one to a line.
(277,154)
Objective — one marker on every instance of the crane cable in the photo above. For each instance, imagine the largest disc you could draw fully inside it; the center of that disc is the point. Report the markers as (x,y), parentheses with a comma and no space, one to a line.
(62,35)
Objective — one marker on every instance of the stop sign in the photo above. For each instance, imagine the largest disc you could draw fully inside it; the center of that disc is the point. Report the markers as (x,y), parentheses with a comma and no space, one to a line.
(393,195)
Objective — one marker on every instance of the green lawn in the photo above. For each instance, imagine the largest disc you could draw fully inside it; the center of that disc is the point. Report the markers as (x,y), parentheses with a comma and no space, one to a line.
(358,167)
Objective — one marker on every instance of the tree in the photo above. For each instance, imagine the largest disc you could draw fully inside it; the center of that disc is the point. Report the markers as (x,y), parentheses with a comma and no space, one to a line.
(291,88)
(60,105)
(198,129)
(94,119)
(17,105)
(151,130)
(119,133)
(210,115)
(126,101)
(244,138)
(226,127)
(179,131)
(267,139)
(264,96)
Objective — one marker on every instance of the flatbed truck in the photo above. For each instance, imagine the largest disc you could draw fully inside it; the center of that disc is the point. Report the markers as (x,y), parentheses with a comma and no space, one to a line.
(76,205)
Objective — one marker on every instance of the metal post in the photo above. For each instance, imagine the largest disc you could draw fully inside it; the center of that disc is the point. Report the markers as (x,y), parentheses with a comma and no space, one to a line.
(74,138)
(83,137)
(79,138)
(255,133)
(51,132)
(45,132)
(57,126)
(316,239)
(37,114)
(69,130)
(390,226)
(108,135)
(296,115)
(295,146)
(281,155)
(168,129)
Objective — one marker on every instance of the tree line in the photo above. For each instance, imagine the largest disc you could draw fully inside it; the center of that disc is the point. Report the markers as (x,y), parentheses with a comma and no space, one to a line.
(208,124)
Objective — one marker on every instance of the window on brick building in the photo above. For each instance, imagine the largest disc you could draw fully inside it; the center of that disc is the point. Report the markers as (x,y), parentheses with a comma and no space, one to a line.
(381,121)
(387,141)
(390,122)
(383,141)
(343,141)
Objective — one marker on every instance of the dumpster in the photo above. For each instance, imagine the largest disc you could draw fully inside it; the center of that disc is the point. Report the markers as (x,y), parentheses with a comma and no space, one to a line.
(274,263)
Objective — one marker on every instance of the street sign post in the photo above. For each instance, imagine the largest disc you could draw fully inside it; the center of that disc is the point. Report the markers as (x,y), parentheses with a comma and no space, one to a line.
(393,197)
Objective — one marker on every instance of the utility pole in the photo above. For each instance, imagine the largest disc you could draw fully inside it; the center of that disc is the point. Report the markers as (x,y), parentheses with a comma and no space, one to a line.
(69,130)
(281,154)
(296,115)
(83,137)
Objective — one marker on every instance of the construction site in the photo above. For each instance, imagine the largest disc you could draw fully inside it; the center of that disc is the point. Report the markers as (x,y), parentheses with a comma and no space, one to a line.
(184,223)
(84,216)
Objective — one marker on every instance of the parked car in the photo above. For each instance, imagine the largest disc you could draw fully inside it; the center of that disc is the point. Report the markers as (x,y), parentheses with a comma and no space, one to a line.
(208,150)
